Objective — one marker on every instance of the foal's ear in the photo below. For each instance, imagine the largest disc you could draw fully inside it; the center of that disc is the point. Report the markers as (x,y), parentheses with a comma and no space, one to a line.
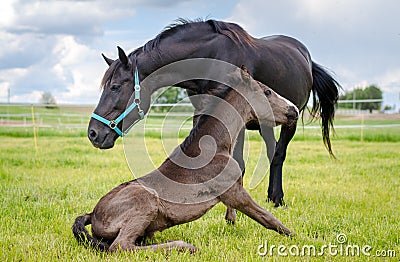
(122,56)
(109,61)
(245,74)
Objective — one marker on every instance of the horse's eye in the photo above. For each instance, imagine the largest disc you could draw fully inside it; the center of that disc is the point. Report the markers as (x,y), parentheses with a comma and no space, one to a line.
(267,92)
(115,88)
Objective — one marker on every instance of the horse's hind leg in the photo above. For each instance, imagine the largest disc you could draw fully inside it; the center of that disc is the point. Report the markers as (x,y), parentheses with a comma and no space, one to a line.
(230,215)
(238,198)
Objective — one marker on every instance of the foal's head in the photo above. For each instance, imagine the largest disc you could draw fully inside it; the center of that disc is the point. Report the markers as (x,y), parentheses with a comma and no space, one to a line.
(266,105)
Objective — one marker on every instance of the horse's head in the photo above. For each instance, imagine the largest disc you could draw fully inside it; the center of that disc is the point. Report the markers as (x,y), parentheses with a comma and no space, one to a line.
(268,107)
(121,100)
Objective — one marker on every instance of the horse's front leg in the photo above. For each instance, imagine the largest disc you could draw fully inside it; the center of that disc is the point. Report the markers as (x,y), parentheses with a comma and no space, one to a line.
(267,133)
(230,215)
(275,190)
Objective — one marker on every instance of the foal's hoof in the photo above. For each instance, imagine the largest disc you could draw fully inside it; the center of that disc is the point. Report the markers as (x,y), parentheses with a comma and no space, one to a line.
(182,246)
(285,231)
(192,249)
(230,216)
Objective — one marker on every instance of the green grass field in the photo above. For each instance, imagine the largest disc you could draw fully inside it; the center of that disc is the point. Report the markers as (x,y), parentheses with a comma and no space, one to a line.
(43,190)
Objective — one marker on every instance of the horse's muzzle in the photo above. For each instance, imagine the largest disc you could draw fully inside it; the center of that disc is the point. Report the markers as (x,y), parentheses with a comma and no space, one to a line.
(103,139)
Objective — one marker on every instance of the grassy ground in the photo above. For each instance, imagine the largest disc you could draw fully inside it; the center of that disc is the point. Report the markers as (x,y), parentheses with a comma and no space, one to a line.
(357,195)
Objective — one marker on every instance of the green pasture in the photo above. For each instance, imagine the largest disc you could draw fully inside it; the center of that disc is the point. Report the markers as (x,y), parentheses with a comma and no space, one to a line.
(356,196)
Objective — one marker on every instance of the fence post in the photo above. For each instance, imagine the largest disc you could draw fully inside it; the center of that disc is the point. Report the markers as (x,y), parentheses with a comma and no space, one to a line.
(34,128)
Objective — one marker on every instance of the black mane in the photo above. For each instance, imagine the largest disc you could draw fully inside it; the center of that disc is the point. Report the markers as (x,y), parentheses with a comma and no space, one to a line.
(233,31)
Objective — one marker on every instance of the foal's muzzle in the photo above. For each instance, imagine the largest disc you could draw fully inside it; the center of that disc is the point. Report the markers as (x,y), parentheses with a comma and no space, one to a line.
(292,113)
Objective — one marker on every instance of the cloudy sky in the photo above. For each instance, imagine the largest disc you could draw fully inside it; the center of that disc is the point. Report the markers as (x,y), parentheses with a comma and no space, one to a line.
(56,45)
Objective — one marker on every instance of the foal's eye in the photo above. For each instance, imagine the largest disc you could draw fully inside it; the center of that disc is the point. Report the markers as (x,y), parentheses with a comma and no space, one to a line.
(115,88)
(267,92)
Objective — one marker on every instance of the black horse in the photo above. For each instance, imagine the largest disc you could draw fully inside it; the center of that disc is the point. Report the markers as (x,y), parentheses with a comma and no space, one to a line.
(280,62)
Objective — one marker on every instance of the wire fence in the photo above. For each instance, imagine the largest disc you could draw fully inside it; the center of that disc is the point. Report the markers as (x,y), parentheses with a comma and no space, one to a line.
(37,121)
(44,116)
(78,116)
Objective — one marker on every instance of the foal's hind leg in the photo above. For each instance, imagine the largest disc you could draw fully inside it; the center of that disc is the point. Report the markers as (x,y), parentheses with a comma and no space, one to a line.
(131,231)
(238,198)
(178,245)
(230,215)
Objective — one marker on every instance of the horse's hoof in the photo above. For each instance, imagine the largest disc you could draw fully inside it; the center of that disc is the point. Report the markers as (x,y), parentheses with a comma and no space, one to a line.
(278,201)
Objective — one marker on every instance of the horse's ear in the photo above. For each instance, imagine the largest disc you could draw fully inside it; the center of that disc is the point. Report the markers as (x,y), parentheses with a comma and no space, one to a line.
(109,61)
(122,56)
(245,74)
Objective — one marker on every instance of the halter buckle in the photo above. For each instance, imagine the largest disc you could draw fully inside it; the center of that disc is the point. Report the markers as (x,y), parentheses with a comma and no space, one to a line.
(112,124)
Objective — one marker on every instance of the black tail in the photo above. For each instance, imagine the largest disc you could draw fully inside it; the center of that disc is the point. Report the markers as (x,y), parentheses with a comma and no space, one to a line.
(83,236)
(325,95)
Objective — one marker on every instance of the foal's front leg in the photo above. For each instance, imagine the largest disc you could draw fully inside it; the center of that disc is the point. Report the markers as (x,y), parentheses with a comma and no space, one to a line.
(230,215)
(238,198)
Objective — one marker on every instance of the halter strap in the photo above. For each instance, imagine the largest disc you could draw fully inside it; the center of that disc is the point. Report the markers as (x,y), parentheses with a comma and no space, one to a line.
(136,103)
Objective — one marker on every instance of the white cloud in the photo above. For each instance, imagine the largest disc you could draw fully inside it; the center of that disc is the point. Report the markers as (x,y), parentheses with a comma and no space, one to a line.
(82,66)
(339,12)
(39,38)
(390,80)
(32,97)
(4,89)
(69,70)
(7,78)
(62,17)
(7,14)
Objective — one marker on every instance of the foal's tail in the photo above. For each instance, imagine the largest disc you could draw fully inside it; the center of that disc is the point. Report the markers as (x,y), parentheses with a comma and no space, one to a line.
(83,236)
(325,95)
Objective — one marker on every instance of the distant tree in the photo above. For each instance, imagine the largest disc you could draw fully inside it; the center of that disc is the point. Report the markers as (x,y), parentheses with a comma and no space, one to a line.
(170,95)
(370,92)
(48,99)
(387,107)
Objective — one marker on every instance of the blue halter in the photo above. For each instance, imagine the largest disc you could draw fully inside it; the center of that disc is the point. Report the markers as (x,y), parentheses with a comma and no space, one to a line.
(136,103)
